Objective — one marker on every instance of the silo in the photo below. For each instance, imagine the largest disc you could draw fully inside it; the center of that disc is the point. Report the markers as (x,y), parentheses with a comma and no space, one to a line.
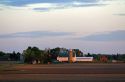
(70,56)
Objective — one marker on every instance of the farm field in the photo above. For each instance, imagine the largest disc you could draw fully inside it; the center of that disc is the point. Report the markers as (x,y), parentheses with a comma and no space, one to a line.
(82,72)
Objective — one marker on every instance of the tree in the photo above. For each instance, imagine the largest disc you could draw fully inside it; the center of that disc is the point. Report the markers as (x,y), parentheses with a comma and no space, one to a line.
(27,55)
(18,56)
(54,52)
(34,54)
(2,53)
(78,53)
(88,55)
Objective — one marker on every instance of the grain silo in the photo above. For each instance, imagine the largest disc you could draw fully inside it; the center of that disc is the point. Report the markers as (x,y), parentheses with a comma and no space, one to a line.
(71,56)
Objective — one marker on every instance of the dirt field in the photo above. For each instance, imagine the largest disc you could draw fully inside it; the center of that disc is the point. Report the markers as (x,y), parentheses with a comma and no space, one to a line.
(86,72)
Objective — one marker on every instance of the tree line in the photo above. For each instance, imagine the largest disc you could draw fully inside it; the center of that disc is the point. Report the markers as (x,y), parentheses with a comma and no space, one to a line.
(10,56)
(32,54)
(109,57)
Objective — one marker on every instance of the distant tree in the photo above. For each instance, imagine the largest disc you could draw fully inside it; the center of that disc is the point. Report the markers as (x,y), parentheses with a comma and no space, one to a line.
(13,56)
(110,57)
(34,54)
(46,57)
(78,53)
(28,55)
(96,57)
(2,53)
(54,53)
(114,57)
(18,56)
(88,55)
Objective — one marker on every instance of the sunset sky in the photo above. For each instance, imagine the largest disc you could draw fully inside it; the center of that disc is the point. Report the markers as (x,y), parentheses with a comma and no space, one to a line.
(95,26)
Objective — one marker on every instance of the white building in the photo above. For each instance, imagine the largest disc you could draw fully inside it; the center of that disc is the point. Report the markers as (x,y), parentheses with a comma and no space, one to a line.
(75,59)
(62,59)
(84,59)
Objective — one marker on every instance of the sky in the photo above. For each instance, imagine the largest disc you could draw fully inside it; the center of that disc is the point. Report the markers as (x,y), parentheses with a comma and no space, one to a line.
(94,26)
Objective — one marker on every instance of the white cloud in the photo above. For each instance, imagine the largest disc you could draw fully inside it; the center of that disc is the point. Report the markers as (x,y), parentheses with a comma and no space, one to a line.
(50,5)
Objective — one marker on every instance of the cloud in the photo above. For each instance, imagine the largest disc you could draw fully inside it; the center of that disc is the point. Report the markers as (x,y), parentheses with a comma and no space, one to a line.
(1,9)
(35,34)
(25,2)
(38,5)
(41,9)
(120,14)
(111,36)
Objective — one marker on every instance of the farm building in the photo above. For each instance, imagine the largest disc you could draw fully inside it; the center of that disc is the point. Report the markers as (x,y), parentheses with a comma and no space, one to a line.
(84,59)
(71,57)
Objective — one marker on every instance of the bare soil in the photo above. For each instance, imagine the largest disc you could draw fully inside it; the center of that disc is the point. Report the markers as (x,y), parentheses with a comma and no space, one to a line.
(86,72)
